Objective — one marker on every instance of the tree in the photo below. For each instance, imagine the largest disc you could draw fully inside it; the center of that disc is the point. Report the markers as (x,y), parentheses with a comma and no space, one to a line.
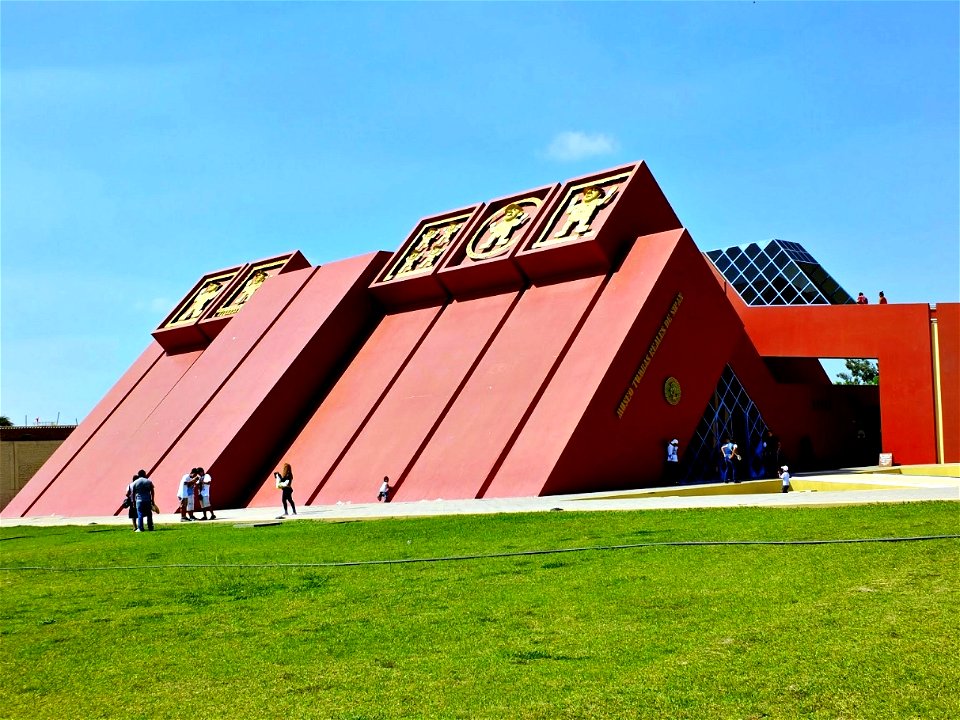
(862,372)
(5,421)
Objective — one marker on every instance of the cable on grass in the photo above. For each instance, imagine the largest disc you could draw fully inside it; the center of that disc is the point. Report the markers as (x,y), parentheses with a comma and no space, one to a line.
(482,556)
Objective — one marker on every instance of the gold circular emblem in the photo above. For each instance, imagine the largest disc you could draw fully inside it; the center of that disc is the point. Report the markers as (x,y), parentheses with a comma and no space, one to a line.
(671,390)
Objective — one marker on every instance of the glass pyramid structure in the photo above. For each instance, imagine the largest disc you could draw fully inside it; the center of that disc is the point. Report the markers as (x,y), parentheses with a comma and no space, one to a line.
(777,272)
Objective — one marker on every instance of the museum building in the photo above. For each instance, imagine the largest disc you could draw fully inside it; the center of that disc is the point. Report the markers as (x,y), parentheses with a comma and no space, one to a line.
(544,342)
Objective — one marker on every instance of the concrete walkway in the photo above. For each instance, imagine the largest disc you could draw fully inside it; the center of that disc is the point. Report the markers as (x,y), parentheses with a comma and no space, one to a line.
(872,487)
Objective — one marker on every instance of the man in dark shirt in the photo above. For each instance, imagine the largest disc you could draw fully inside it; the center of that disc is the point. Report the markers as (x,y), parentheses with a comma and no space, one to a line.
(142,491)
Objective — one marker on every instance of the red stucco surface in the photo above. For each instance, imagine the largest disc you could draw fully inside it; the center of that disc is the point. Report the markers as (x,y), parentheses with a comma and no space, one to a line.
(325,311)
(334,424)
(395,434)
(898,336)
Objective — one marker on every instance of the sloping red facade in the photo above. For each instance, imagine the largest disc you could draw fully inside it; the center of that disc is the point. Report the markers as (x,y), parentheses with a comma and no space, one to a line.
(550,341)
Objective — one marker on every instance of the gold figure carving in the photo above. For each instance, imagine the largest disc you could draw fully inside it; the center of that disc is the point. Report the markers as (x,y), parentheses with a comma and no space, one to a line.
(252,284)
(412,260)
(499,231)
(428,250)
(207,293)
(502,228)
(582,210)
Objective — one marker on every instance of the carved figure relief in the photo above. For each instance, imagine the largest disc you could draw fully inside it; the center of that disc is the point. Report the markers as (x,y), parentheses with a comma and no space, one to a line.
(498,234)
(582,205)
(252,284)
(426,252)
(195,309)
(582,209)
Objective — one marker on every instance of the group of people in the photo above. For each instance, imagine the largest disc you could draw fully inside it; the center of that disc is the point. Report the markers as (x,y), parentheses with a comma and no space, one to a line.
(194,494)
(766,462)
(862,299)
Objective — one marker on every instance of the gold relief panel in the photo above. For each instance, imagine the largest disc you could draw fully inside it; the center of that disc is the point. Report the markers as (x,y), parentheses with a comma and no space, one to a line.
(501,232)
(580,210)
(253,282)
(195,306)
(428,249)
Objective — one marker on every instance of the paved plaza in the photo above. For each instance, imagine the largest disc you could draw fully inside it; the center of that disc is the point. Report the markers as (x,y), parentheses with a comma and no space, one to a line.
(853,488)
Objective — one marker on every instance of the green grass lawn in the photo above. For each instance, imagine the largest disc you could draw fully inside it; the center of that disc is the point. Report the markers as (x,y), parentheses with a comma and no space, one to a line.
(867,630)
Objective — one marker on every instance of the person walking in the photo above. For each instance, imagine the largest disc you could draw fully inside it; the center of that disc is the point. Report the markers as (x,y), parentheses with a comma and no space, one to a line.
(142,489)
(285,486)
(384,494)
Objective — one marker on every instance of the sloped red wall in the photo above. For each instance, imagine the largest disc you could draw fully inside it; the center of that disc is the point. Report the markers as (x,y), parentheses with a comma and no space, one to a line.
(313,451)
(95,482)
(574,441)
(394,436)
(325,311)
(470,440)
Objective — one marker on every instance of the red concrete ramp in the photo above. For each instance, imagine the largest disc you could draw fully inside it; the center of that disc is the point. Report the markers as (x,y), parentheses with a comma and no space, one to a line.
(314,451)
(325,312)
(469,442)
(395,435)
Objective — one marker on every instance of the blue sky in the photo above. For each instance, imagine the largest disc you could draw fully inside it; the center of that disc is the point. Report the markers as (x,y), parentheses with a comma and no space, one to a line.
(144,144)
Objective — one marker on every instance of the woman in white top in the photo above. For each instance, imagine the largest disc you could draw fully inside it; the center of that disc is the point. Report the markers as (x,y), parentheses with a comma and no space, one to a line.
(204,481)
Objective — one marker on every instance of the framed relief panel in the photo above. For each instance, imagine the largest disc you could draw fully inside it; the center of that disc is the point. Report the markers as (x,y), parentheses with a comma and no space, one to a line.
(593,219)
(249,281)
(483,259)
(410,276)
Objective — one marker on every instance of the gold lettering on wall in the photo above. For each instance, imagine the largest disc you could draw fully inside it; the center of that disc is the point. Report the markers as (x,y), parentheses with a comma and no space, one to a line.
(651,351)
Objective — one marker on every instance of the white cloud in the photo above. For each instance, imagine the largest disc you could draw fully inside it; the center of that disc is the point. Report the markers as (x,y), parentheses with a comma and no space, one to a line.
(575,145)
(161,305)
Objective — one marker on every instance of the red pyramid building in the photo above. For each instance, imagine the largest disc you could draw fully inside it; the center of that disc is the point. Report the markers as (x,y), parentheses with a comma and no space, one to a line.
(549,341)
